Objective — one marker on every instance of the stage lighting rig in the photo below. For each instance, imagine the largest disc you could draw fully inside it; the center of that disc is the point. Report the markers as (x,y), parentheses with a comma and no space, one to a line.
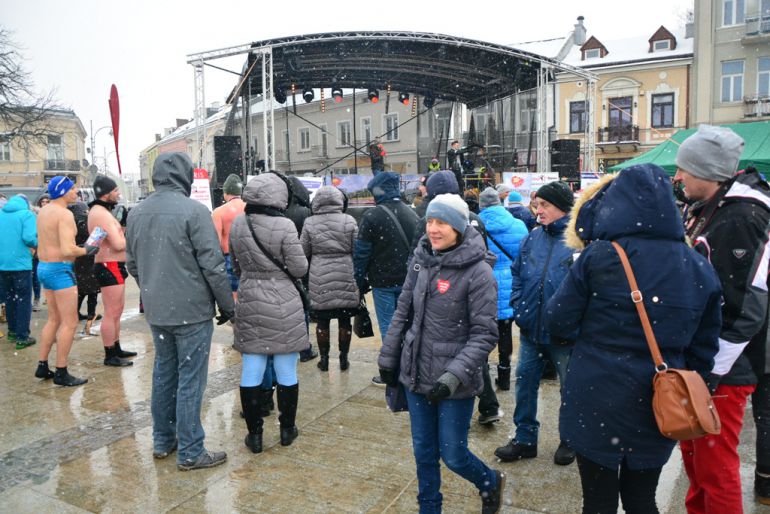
(279,95)
(308,95)
(374,96)
(403,98)
(337,94)
(428,101)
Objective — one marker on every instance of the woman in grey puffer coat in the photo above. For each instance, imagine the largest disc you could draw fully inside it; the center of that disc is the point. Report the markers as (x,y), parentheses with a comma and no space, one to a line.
(447,313)
(269,317)
(327,239)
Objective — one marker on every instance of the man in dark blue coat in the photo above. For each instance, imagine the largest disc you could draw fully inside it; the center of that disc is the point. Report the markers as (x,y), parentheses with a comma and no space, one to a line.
(538,270)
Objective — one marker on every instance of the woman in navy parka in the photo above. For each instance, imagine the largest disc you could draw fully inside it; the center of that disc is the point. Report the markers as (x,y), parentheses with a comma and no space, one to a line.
(606,414)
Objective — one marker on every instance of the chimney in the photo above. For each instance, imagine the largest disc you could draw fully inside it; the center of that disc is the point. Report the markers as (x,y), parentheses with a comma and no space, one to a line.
(689,27)
(579,34)
(181,121)
(157,137)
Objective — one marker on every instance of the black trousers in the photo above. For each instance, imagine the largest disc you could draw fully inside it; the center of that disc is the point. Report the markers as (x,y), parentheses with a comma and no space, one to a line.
(504,342)
(343,323)
(602,486)
(760,406)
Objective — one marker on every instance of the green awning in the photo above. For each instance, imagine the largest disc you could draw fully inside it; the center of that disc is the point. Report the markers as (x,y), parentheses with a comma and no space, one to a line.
(756,153)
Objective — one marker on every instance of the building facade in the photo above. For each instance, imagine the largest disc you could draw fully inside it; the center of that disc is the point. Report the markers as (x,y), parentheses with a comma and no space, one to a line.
(33,161)
(731,75)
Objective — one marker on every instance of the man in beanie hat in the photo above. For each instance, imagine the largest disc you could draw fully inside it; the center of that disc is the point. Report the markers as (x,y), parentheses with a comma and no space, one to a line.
(489,198)
(381,252)
(56,251)
(110,268)
(729,224)
(502,192)
(538,270)
(223,217)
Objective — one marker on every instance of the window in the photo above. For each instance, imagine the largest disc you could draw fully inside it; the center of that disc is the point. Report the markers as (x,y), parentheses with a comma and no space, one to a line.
(304,139)
(732,81)
(734,12)
(391,127)
(366,128)
(343,133)
(5,148)
(663,110)
(763,76)
(659,46)
(577,117)
(621,118)
(593,53)
(55,148)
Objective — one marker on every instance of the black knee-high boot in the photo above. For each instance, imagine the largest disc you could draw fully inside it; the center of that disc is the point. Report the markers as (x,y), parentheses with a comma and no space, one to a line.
(251,399)
(288,396)
(344,341)
(322,338)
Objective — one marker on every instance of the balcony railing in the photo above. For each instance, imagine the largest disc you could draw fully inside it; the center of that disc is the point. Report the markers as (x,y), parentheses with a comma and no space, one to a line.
(625,134)
(56,164)
(755,107)
(758,24)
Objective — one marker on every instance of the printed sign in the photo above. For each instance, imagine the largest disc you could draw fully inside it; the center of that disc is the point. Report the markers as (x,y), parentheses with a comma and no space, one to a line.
(525,183)
(200,187)
(588,178)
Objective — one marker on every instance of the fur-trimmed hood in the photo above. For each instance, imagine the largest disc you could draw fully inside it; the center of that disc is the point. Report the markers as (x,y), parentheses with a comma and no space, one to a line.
(638,201)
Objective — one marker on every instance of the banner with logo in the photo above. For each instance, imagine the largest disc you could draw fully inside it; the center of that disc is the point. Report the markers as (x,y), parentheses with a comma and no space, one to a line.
(201,187)
(525,183)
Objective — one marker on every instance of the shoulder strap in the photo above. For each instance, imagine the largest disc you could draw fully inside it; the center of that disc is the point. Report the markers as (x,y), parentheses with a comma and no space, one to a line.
(636,297)
(264,250)
(398,226)
(499,246)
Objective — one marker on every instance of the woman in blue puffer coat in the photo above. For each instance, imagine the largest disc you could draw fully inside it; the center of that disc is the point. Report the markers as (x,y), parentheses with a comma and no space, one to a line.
(504,235)
(606,414)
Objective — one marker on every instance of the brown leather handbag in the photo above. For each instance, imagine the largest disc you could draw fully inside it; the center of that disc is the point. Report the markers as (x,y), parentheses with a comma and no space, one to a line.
(681,400)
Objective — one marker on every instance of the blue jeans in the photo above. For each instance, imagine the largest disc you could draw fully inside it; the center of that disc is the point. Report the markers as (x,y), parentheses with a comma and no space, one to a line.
(178,382)
(385,301)
(529,370)
(441,431)
(17,286)
(254,369)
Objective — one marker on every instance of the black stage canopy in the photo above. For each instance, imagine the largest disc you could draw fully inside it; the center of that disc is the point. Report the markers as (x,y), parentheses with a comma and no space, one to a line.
(444,67)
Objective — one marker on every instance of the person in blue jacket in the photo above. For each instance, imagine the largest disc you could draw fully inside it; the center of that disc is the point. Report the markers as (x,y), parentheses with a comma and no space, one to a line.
(520,211)
(537,272)
(606,414)
(18,236)
(504,235)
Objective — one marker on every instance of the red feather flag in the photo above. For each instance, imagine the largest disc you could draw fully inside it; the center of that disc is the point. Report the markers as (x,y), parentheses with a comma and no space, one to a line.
(115,115)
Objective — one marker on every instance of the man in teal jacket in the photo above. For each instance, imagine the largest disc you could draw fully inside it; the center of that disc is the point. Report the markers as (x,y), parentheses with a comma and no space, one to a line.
(18,236)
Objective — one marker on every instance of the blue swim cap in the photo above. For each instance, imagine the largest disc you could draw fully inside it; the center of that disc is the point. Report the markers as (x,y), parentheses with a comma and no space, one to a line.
(58,186)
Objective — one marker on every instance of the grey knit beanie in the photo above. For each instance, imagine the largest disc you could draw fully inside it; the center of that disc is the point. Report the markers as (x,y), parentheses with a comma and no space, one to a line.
(712,153)
(233,185)
(451,209)
(488,198)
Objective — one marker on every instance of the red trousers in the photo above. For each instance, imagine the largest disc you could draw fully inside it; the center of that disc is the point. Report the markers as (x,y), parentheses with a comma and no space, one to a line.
(712,462)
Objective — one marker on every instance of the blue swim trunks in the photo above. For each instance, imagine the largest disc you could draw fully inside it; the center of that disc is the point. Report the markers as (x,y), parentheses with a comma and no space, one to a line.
(234,280)
(56,275)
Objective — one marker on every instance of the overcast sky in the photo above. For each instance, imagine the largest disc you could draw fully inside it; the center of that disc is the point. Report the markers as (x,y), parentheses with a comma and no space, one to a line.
(81,47)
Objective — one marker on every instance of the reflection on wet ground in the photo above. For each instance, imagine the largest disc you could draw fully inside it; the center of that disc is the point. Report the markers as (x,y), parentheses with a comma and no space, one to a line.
(89,449)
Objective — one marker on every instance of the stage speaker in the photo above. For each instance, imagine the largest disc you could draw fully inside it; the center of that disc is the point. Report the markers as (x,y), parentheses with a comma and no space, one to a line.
(566,171)
(227,157)
(565,158)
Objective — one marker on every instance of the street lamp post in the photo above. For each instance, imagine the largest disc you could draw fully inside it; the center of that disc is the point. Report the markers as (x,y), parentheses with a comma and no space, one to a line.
(93,150)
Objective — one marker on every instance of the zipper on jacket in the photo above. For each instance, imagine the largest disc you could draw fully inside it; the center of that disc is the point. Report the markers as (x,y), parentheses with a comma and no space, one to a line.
(542,294)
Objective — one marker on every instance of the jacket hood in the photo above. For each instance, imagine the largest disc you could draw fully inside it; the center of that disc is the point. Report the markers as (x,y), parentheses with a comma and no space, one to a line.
(496,218)
(268,190)
(173,171)
(15,204)
(385,186)
(328,199)
(299,192)
(638,202)
(470,251)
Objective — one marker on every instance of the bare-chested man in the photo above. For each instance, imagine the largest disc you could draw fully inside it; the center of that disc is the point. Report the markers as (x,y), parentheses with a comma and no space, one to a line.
(110,268)
(56,252)
(223,219)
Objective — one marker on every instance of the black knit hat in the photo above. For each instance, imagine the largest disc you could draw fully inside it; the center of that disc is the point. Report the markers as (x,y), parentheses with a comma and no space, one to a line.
(558,194)
(104,185)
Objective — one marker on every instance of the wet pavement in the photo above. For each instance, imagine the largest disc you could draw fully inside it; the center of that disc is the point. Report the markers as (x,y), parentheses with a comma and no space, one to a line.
(89,449)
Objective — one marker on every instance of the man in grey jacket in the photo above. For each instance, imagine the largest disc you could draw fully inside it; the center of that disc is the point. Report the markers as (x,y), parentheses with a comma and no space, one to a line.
(173,252)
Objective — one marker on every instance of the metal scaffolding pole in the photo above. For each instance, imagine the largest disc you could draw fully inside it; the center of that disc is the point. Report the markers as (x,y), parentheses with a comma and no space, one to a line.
(200,108)
(589,152)
(543,155)
(268,107)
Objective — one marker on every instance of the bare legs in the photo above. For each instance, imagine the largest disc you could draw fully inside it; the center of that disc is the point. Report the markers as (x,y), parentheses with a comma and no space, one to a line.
(61,324)
(114,299)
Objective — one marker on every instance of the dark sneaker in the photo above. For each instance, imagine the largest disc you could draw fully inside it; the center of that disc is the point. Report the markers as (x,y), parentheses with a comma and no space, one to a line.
(164,453)
(308,355)
(11,337)
(378,381)
(492,500)
(24,343)
(762,488)
(43,371)
(63,378)
(516,451)
(564,455)
(205,460)
(490,419)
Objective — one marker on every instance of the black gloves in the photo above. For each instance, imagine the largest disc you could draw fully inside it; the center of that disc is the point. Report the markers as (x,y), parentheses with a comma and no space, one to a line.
(712,382)
(224,317)
(90,250)
(389,377)
(439,392)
